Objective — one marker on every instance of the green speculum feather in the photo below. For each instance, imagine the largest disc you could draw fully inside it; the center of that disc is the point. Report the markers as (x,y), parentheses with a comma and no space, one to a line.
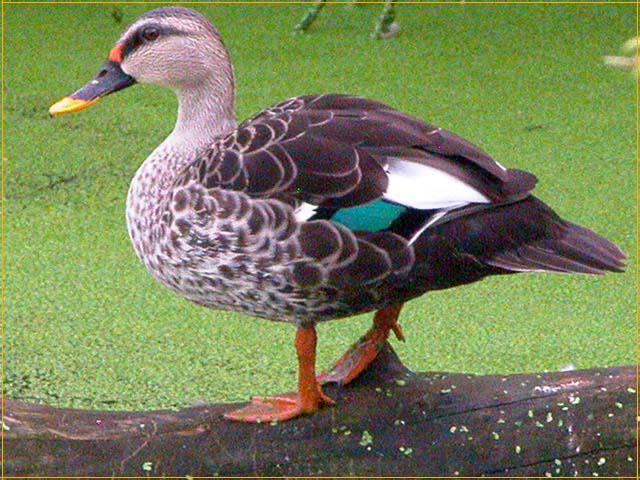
(372,217)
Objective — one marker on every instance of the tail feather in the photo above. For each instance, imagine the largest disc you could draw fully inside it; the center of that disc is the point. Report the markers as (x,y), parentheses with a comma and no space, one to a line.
(566,247)
(593,248)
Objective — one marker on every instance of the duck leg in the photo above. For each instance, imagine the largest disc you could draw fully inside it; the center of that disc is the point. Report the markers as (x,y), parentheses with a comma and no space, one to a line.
(386,26)
(365,350)
(310,16)
(307,399)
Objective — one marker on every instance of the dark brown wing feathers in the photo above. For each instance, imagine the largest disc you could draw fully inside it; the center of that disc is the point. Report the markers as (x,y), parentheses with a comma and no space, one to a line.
(332,148)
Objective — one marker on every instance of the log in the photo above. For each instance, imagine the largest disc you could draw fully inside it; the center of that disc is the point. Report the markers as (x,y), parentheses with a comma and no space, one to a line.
(389,422)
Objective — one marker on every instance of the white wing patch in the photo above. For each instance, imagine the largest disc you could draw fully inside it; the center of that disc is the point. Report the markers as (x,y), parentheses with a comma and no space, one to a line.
(423,187)
(304,212)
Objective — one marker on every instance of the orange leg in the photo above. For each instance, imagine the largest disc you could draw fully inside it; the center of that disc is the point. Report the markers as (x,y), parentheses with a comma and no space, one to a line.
(358,357)
(309,397)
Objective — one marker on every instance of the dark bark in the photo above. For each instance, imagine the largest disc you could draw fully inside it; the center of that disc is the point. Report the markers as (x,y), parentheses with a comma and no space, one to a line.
(389,422)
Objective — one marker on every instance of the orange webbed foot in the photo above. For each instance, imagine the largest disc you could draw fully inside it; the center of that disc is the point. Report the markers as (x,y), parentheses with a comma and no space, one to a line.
(279,407)
(308,399)
(360,355)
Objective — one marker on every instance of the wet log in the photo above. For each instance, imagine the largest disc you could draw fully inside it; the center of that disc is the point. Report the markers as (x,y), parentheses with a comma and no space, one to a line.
(389,422)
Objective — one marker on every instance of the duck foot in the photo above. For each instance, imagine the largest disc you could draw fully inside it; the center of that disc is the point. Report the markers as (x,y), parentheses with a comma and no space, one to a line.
(308,399)
(358,357)
(279,407)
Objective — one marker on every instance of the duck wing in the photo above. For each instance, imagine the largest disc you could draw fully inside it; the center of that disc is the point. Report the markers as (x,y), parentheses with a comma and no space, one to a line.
(337,151)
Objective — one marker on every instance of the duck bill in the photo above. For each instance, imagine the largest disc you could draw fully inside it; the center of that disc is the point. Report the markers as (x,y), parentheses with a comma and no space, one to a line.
(109,79)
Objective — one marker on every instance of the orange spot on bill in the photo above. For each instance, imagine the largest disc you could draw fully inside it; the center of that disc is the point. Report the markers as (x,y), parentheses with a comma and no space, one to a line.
(115,55)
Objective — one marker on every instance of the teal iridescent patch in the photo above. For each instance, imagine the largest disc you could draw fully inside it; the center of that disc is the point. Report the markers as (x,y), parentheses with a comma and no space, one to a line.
(372,217)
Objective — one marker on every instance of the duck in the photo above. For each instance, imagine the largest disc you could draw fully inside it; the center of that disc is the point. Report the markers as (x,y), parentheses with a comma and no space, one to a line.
(320,207)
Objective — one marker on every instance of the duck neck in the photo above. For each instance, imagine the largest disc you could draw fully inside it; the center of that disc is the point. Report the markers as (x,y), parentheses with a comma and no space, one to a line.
(205,112)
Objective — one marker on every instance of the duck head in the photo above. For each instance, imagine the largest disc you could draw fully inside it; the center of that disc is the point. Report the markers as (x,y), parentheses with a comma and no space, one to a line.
(174,47)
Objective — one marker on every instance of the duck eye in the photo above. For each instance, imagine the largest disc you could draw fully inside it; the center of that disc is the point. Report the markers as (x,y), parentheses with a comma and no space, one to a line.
(150,33)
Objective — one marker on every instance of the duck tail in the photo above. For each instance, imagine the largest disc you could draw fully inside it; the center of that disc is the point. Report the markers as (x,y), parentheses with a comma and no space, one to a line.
(562,247)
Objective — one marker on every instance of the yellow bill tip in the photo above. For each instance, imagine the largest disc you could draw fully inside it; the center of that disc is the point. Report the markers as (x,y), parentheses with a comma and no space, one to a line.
(68,105)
